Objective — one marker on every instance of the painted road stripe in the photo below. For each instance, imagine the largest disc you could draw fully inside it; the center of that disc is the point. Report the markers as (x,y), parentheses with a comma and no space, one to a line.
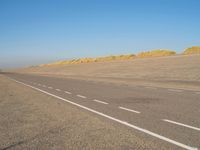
(181,124)
(68,92)
(98,101)
(148,87)
(115,119)
(129,110)
(58,90)
(81,96)
(175,90)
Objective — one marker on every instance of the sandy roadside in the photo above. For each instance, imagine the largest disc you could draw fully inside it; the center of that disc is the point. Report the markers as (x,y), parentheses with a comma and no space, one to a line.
(181,72)
(32,120)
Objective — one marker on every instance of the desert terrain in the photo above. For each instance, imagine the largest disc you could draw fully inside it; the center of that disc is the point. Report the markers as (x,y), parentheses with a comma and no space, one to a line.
(180,71)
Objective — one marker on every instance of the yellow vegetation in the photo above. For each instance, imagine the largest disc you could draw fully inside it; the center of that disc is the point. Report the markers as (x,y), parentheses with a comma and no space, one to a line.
(192,50)
(153,53)
(89,60)
(156,53)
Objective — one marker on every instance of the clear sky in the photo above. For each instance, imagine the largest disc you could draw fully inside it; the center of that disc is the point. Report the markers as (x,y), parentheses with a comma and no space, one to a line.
(40,31)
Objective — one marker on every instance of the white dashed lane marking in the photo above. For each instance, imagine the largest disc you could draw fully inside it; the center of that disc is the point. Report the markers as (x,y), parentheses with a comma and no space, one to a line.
(175,90)
(148,87)
(68,92)
(98,101)
(181,124)
(115,119)
(129,110)
(81,96)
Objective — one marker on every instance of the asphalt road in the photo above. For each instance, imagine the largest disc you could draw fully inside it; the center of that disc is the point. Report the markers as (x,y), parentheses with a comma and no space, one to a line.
(169,117)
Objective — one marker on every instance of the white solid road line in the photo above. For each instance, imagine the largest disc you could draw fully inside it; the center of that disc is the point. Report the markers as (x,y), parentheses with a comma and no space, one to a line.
(114,119)
(98,101)
(58,90)
(68,92)
(181,124)
(175,90)
(129,110)
(81,96)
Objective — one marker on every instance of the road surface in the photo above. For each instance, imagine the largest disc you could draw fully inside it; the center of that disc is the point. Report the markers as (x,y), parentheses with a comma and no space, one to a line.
(169,118)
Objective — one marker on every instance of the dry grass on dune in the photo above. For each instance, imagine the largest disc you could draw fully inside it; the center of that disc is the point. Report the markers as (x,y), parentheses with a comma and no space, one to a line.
(156,53)
(192,50)
(152,53)
(89,60)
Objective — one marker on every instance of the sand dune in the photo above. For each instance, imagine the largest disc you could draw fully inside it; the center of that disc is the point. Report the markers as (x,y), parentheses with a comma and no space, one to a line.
(175,71)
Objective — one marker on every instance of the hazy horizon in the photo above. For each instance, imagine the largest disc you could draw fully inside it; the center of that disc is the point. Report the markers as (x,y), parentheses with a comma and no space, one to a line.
(37,32)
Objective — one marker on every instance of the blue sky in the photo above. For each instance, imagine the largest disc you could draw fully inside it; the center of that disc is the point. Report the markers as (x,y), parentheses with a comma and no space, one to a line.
(40,31)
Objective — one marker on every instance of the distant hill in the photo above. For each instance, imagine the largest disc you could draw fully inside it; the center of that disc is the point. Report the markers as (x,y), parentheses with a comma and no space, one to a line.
(192,50)
(156,53)
(153,53)
(89,60)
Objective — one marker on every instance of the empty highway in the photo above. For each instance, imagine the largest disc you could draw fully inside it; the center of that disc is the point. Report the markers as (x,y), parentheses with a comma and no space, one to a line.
(168,117)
